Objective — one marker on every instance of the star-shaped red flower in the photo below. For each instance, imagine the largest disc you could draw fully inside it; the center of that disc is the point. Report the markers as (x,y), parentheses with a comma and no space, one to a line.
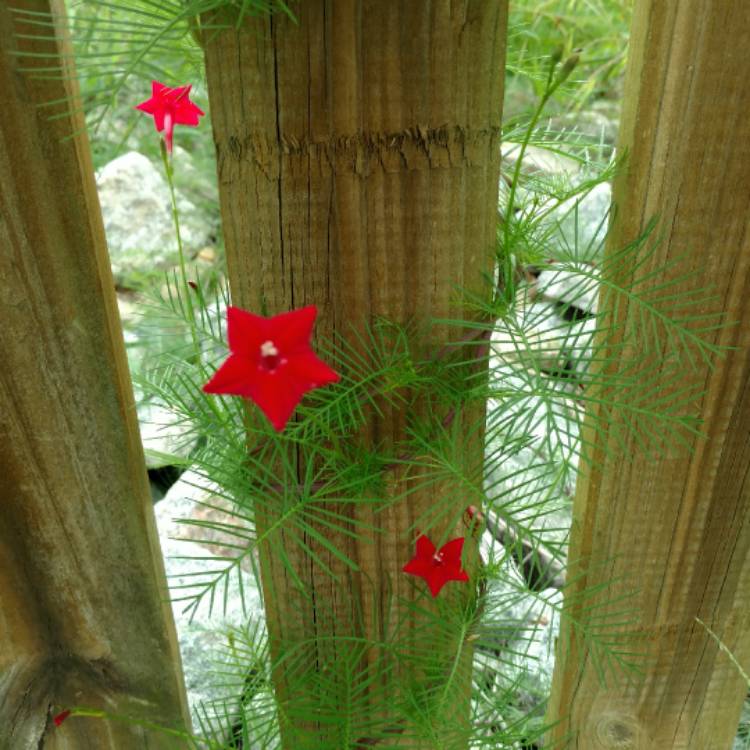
(271,361)
(437,567)
(170,107)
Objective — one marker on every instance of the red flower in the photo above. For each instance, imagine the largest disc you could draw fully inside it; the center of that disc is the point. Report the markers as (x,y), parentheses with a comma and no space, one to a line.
(437,568)
(271,361)
(170,107)
(60,718)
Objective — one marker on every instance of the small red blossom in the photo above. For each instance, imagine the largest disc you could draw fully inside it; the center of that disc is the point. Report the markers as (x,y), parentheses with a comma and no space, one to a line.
(170,107)
(60,718)
(271,362)
(437,567)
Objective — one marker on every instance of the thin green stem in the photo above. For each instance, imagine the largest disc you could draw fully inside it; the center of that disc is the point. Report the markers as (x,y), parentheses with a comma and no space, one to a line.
(454,666)
(551,85)
(181,251)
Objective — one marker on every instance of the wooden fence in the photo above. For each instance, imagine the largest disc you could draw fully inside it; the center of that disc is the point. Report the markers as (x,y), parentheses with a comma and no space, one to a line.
(83,618)
(84,611)
(675,532)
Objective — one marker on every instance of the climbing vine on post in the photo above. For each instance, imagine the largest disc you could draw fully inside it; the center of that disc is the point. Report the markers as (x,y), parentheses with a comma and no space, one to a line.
(358,156)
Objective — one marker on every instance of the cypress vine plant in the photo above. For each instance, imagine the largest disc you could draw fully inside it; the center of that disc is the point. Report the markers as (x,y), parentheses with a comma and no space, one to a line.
(347,501)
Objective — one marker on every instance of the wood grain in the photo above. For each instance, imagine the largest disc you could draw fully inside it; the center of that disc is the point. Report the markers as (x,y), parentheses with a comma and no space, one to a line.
(674,533)
(84,615)
(358,158)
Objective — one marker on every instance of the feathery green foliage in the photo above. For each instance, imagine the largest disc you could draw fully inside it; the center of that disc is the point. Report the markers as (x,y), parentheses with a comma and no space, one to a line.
(598,29)
(536,409)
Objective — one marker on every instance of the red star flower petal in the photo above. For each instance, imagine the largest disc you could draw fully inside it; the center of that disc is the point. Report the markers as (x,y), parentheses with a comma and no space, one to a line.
(60,718)
(170,107)
(271,362)
(437,567)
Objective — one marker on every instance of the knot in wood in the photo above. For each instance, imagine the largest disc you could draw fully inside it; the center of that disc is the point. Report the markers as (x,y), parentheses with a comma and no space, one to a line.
(616,731)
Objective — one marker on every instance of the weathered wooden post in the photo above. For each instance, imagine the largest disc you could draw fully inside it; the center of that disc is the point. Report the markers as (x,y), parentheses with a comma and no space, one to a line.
(358,158)
(84,613)
(676,531)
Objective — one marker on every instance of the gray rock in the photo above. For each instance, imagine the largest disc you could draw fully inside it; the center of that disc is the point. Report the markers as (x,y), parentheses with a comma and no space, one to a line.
(600,124)
(742,740)
(537,159)
(536,340)
(566,285)
(578,226)
(167,438)
(136,207)
(516,646)
(537,480)
(202,636)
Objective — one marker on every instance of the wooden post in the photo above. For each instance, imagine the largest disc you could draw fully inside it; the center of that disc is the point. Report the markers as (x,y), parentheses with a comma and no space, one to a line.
(84,612)
(358,157)
(676,531)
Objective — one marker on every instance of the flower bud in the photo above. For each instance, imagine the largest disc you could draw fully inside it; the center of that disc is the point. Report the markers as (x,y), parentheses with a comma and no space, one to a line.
(567,68)
(60,718)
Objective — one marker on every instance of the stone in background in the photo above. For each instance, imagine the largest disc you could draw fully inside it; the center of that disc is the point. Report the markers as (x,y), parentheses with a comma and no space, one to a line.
(137,213)
(202,635)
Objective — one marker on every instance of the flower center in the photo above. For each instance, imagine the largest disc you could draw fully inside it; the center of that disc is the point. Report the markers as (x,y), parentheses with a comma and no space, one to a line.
(269,356)
(437,558)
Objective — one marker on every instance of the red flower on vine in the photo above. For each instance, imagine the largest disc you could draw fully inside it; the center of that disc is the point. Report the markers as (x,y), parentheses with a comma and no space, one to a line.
(60,718)
(437,567)
(271,362)
(170,107)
